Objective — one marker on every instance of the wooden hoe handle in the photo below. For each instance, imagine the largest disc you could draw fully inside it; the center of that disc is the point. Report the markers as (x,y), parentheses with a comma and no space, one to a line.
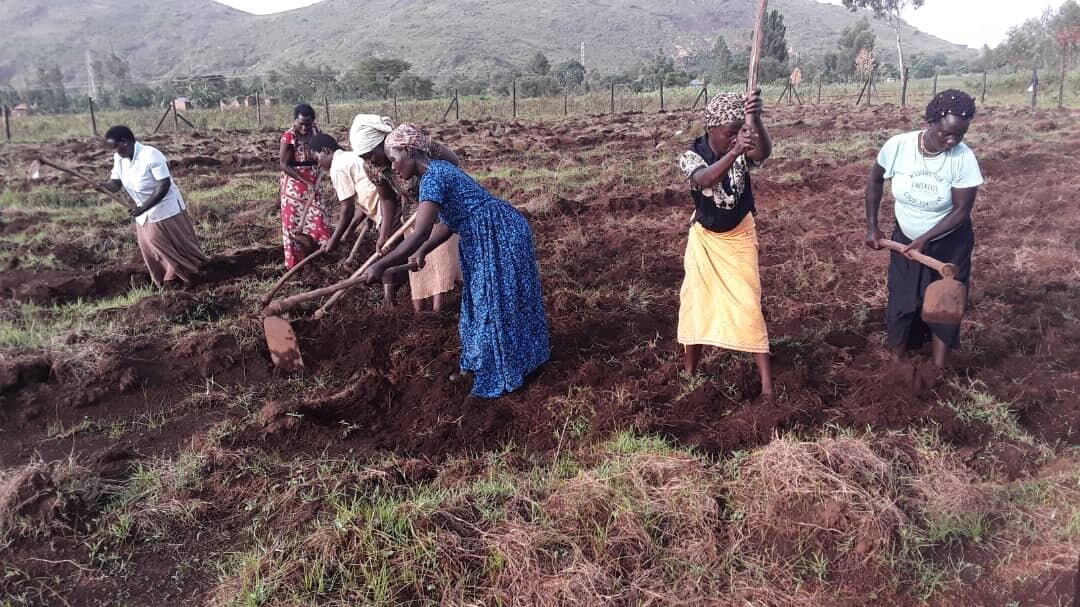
(945,269)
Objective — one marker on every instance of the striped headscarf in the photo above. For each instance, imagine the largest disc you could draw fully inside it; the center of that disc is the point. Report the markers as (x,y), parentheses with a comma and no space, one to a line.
(725,108)
(408,136)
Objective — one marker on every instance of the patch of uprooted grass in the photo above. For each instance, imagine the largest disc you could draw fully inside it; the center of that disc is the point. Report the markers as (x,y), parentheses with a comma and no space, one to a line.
(40,498)
(841,518)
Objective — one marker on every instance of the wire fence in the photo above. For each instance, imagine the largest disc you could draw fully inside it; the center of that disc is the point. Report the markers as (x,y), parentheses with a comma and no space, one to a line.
(989,89)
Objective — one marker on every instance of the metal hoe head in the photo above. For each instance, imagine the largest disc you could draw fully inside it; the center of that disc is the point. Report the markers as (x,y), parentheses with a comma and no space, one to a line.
(281,341)
(944,301)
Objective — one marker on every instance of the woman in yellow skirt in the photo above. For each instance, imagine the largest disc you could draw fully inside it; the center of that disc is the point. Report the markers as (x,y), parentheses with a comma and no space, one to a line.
(720,301)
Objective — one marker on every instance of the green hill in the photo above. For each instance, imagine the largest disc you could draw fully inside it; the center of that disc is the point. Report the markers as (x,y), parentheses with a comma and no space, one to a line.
(442,39)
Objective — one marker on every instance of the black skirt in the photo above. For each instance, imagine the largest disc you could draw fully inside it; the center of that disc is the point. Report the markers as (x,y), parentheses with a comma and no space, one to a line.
(907,286)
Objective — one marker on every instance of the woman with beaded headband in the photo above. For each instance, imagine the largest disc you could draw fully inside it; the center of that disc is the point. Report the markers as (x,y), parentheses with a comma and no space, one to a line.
(935,177)
(720,300)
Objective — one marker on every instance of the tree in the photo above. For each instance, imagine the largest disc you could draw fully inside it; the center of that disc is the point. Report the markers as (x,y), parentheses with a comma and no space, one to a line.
(49,92)
(853,39)
(775,41)
(721,62)
(376,76)
(538,65)
(415,87)
(570,74)
(890,11)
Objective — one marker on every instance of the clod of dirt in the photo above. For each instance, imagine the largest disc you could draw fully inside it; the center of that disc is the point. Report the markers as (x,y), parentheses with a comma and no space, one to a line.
(19,373)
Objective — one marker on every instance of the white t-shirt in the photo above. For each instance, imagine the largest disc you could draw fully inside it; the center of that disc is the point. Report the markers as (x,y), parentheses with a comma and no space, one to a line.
(349,178)
(923,186)
(140,176)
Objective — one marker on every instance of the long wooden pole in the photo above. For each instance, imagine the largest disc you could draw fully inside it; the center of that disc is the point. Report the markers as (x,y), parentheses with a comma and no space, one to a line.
(6,111)
(758,45)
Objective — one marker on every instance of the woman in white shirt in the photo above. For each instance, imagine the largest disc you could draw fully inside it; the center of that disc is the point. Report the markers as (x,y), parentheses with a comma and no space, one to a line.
(166,235)
(935,177)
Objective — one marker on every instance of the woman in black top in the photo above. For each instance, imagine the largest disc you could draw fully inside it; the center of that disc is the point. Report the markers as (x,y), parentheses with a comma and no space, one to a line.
(720,301)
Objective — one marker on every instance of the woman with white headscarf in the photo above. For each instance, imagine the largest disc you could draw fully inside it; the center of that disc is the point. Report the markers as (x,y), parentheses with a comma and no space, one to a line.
(720,301)
(397,198)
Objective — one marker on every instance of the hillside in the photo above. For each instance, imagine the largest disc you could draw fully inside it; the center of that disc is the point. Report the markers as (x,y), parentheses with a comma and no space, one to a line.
(466,38)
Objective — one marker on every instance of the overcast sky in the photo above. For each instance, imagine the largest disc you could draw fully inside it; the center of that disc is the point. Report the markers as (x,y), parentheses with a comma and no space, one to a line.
(970,22)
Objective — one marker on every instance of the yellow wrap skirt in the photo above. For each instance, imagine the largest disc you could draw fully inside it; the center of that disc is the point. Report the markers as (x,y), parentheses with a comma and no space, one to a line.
(720,301)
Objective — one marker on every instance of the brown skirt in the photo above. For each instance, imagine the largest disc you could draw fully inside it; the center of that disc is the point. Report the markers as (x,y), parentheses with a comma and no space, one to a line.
(170,249)
(442,271)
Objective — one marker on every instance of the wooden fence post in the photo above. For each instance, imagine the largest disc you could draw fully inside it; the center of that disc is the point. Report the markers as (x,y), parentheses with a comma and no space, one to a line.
(903,89)
(258,109)
(661,93)
(982,99)
(395,108)
(612,97)
(93,118)
(819,90)
(168,109)
(1061,84)
(6,111)
(513,97)
(457,106)
(175,120)
(1034,86)
(705,90)
(326,105)
(566,101)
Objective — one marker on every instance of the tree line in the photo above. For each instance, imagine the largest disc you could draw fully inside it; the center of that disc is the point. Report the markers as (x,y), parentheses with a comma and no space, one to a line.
(1042,42)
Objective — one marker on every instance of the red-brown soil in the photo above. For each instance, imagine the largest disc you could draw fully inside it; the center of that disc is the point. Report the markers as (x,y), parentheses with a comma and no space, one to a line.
(610,252)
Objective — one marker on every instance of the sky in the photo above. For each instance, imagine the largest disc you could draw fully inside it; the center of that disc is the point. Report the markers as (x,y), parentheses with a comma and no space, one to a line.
(970,22)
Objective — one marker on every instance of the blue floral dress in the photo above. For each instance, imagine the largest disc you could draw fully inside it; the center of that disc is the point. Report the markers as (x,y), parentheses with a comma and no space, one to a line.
(504,332)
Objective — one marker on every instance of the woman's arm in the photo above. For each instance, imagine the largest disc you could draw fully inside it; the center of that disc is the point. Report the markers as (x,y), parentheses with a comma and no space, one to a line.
(875,187)
(963,202)
(427,215)
(439,234)
(348,211)
(160,190)
(389,208)
(284,155)
(762,141)
(712,175)
(442,152)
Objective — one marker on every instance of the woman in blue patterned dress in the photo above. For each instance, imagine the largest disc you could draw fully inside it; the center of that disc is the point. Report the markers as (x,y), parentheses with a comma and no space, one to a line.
(504,332)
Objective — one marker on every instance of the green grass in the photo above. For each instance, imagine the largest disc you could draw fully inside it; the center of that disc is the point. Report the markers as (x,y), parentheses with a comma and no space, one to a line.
(28,326)
(977,405)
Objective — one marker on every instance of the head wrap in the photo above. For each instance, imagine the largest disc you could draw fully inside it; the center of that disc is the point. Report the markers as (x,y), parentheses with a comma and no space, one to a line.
(368,131)
(408,136)
(725,108)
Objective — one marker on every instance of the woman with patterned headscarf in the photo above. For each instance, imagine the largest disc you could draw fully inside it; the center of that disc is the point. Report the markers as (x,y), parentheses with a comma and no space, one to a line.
(443,270)
(504,333)
(720,301)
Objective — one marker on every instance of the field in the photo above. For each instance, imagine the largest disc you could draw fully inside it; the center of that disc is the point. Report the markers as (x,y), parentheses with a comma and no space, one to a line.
(151,455)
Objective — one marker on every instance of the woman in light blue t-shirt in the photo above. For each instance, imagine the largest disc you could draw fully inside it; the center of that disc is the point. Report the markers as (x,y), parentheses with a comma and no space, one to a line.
(934,177)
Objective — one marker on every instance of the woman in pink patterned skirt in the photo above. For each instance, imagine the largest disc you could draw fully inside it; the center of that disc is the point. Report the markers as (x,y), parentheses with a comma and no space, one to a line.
(299,184)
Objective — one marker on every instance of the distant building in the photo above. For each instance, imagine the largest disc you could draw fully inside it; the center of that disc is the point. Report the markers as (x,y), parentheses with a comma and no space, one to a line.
(272,101)
(697,83)
(22,110)
(182,103)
